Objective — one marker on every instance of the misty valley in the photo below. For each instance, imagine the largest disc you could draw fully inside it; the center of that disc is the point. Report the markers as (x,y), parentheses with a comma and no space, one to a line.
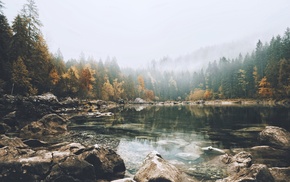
(219,113)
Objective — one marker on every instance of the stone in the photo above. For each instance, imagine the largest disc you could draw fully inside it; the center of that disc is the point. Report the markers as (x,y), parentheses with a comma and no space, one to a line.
(268,155)
(4,128)
(155,168)
(124,180)
(280,174)
(11,142)
(276,137)
(72,169)
(239,161)
(49,125)
(139,101)
(212,150)
(107,163)
(71,162)
(257,172)
(46,98)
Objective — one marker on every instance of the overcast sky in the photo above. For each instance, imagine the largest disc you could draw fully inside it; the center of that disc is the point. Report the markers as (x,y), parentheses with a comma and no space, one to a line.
(138,31)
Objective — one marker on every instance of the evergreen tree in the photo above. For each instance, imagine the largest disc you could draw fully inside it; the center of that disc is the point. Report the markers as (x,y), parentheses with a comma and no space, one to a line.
(20,78)
(5,40)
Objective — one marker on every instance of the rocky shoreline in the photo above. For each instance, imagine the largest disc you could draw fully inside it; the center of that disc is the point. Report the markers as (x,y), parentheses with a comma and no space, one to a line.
(36,145)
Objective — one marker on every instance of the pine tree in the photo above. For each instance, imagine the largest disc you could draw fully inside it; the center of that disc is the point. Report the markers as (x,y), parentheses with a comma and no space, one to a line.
(5,41)
(20,78)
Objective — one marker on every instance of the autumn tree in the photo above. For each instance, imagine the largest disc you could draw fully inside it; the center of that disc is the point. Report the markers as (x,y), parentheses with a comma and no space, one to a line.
(207,94)
(197,94)
(265,89)
(107,90)
(70,81)
(117,89)
(86,81)
(141,85)
(149,95)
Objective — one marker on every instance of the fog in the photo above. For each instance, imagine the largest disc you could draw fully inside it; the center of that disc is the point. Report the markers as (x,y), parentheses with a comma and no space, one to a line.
(137,32)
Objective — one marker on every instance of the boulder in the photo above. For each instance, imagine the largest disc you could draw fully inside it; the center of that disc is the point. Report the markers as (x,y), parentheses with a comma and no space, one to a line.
(270,156)
(46,98)
(71,162)
(139,101)
(276,137)
(107,163)
(72,169)
(69,102)
(11,142)
(155,168)
(280,174)
(49,125)
(257,172)
(238,162)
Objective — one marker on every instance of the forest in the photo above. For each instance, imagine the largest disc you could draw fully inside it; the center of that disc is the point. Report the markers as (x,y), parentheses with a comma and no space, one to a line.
(27,67)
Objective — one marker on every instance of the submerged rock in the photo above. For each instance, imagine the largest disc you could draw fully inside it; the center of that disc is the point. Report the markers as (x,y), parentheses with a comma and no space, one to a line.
(155,168)
(275,137)
(212,150)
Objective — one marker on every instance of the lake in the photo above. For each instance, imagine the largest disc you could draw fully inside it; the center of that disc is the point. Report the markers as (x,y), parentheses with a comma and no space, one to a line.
(179,132)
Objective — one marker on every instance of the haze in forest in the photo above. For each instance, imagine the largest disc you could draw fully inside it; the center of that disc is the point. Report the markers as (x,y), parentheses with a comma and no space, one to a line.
(137,32)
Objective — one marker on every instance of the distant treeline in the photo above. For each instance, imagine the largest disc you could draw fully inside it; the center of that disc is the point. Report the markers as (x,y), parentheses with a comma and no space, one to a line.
(27,67)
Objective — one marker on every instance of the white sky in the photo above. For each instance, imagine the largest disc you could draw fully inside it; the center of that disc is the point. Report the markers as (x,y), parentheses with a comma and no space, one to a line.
(138,31)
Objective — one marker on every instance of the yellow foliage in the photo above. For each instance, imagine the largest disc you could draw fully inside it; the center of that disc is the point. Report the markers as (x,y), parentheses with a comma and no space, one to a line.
(118,89)
(107,90)
(265,89)
(197,94)
(54,76)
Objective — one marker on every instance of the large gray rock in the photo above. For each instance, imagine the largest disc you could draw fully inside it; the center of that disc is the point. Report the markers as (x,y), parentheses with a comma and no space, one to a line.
(276,137)
(155,168)
(49,125)
(71,162)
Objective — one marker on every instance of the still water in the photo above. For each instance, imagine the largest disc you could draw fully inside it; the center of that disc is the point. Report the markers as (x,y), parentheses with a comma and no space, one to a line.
(178,132)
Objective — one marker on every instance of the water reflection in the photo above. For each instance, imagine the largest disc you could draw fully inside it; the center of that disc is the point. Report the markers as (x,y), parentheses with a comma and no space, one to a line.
(179,132)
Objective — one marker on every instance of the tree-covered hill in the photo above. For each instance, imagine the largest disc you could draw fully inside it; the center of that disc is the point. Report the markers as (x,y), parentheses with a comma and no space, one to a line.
(27,67)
